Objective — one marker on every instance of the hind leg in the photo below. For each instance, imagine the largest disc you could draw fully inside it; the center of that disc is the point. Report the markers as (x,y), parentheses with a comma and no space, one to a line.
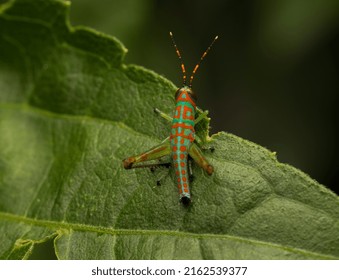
(195,153)
(156,152)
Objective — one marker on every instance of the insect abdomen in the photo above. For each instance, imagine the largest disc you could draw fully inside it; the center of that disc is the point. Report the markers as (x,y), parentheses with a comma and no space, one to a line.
(182,135)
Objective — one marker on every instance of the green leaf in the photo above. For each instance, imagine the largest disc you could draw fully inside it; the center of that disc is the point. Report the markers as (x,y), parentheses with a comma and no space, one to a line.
(70,111)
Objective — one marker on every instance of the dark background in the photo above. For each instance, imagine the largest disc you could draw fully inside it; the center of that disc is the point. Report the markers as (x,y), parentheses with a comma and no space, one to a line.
(271,78)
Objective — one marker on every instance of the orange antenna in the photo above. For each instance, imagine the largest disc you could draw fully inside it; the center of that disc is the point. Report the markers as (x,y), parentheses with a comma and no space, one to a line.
(183,70)
(201,59)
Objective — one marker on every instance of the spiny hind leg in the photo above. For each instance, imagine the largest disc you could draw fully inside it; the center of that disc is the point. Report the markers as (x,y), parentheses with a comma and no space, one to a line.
(156,152)
(195,153)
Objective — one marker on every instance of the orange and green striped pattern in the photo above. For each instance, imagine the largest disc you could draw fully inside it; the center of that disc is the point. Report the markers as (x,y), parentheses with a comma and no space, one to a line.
(182,135)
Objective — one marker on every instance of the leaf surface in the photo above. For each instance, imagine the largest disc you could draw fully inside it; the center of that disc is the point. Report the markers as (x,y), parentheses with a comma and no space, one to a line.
(71,110)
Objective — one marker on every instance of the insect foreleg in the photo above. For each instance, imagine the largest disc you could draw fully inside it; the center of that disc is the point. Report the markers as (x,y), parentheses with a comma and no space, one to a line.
(195,153)
(156,152)
(202,115)
(203,145)
(164,115)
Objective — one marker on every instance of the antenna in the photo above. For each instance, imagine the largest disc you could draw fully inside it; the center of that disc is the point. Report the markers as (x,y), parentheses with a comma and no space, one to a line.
(201,59)
(183,70)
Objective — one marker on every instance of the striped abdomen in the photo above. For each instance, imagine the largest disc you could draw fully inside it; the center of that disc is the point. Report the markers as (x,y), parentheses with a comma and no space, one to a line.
(182,135)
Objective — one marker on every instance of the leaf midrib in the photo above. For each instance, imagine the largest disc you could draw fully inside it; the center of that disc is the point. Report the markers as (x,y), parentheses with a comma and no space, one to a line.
(105,230)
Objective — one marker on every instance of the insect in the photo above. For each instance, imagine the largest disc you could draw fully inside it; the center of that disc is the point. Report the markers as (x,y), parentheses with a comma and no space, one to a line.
(182,144)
